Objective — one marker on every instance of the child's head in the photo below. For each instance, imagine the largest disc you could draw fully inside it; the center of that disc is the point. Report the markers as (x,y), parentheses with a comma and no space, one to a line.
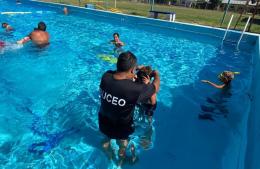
(226,76)
(143,72)
(65,10)
(116,36)
(4,25)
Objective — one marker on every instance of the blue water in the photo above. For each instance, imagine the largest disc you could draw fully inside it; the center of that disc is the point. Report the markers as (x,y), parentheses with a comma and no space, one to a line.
(49,97)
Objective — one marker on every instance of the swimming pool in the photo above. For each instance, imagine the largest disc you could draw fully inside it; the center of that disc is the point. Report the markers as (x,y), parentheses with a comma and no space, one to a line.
(49,96)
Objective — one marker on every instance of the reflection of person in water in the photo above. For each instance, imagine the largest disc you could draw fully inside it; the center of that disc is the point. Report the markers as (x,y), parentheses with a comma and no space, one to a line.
(146,138)
(216,105)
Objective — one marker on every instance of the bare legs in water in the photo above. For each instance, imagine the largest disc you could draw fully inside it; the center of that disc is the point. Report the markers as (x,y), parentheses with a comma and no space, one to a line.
(123,144)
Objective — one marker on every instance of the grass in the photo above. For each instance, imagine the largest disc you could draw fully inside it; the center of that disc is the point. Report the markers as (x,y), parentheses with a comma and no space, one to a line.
(183,14)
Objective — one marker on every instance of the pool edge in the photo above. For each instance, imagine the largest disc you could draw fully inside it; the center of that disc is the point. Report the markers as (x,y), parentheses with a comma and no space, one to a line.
(208,30)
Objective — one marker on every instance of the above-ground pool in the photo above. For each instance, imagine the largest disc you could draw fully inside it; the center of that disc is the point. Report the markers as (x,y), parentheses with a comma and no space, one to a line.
(49,97)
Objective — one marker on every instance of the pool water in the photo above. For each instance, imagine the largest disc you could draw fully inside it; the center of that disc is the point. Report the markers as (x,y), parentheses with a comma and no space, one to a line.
(49,96)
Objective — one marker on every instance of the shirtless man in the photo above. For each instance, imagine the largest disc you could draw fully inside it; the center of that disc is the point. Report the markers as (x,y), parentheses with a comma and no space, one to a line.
(39,36)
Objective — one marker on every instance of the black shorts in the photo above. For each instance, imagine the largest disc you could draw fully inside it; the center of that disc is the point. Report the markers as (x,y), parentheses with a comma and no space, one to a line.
(115,129)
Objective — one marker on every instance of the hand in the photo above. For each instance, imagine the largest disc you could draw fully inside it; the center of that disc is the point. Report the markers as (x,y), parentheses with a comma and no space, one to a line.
(20,42)
(205,81)
(146,79)
(120,43)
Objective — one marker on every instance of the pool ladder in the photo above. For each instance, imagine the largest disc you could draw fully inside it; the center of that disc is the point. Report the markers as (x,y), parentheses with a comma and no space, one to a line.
(243,31)
(241,36)
(227,28)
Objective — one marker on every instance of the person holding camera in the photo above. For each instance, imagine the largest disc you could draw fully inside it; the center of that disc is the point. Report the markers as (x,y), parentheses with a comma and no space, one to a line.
(119,96)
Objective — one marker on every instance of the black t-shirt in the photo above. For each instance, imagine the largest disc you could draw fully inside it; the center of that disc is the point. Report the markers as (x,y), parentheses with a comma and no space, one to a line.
(119,97)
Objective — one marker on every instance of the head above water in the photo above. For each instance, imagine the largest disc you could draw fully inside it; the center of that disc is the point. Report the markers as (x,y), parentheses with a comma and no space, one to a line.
(116,36)
(126,62)
(41,26)
(65,10)
(4,25)
(227,76)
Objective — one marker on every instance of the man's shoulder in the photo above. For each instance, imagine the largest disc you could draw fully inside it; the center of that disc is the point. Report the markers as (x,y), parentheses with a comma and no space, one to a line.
(108,73)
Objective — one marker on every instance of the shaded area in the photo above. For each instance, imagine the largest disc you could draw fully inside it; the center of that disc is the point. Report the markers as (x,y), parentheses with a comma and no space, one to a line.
(255,21)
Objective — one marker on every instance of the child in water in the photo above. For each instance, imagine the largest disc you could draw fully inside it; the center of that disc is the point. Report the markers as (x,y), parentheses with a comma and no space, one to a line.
(65,11)
(144,75)
(225,77)
(118,43)
(7,27)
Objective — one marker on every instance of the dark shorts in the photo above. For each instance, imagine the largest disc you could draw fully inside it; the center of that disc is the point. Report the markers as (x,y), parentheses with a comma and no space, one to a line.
(115,129)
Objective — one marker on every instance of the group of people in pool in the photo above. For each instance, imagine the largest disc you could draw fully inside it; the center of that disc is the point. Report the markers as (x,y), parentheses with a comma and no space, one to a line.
(39,36)
(127,87)
(121,91)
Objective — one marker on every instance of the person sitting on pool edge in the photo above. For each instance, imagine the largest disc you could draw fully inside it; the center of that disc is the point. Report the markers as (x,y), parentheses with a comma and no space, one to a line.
(118,43)
(39,36)
(7,27)
(226,77)
(147,107)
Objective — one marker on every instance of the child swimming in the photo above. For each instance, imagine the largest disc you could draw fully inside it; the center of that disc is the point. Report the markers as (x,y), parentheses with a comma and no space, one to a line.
(118,44)
(225,77)
(7,27)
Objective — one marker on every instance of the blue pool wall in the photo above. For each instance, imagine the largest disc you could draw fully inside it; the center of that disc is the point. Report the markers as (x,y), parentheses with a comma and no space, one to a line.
(250,153)
(253,144)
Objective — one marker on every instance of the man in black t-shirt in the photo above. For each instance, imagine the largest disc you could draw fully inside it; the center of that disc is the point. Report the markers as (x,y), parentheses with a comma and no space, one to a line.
(119,95)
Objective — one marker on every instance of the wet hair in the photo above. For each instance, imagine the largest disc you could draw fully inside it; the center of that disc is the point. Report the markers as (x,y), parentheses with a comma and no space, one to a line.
(41,26)
(225,78)
(143,72)
(117,34)
(4,24)
(126,61)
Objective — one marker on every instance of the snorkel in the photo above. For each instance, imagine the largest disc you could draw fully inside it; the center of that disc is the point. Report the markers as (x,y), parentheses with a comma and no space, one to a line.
(227,76)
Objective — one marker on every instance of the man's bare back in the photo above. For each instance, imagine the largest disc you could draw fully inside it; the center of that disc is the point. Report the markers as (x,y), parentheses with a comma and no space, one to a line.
(40,37)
